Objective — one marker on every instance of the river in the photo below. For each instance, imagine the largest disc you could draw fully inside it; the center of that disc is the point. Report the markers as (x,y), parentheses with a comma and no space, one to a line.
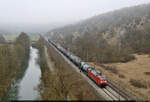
(27,87)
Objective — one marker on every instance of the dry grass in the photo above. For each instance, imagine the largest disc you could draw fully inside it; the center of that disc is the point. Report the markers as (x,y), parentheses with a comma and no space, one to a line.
(121,76)
(127,72)
(110,68)
(138,83)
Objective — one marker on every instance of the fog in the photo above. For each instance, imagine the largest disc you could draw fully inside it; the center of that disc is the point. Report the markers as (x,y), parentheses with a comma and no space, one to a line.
(43,15)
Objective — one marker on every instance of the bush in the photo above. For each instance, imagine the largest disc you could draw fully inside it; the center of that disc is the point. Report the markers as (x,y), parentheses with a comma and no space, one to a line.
(127,58)
(138,83)
(112,69)
(121,76)
(147,73)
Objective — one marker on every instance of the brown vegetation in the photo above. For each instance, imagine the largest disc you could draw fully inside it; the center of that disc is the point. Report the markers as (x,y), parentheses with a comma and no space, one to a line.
(147,73)
(121,76)
(140,83)
(12,58)
(91,38)
(97,49)
(135,80)
(110,37)
(110,68)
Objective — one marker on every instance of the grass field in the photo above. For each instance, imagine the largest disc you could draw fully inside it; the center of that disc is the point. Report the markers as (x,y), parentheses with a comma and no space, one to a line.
(34,37)
(10,37)
(13,37)
(133,76)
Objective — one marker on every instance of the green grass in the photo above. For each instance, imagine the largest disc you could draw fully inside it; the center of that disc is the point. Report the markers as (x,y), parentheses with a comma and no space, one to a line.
(10,37)
(34,37)
(13,37)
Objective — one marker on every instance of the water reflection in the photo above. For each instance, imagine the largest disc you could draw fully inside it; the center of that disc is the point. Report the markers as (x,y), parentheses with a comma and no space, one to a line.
(25,89)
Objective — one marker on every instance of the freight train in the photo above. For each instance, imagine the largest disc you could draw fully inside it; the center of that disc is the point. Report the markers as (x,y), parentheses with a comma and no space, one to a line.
(91,72)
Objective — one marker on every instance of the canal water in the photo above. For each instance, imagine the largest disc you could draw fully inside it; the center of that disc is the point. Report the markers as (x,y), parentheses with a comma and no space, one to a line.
(27,87)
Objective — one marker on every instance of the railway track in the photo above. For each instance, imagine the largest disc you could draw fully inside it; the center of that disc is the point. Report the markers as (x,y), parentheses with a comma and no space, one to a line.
(110,92)
(113,97)
(120,91)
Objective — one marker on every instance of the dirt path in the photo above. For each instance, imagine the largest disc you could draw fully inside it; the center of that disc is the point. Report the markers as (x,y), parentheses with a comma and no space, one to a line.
(48,60)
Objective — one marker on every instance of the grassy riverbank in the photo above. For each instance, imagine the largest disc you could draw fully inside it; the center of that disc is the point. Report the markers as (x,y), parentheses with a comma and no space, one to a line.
(12,59)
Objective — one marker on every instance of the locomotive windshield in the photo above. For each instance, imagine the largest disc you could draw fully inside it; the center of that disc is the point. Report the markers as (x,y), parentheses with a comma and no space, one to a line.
(103,78)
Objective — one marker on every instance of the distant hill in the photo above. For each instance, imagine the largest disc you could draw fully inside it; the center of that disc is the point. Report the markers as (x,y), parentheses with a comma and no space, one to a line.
(2,39)
(119,33)
(13,29)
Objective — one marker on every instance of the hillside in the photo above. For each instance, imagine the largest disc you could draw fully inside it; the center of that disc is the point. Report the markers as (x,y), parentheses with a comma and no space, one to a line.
(109,37)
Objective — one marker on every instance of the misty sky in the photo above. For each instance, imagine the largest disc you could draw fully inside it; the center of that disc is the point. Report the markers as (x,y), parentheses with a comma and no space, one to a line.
(57,11)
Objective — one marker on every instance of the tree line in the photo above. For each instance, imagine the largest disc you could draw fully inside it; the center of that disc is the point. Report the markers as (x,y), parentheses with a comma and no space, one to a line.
(12,59)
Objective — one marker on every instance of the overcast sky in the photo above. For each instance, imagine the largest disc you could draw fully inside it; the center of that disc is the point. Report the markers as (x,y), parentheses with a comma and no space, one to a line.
(57,11)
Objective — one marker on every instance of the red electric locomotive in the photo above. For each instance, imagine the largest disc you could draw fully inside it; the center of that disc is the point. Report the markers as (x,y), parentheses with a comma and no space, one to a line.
(97,77)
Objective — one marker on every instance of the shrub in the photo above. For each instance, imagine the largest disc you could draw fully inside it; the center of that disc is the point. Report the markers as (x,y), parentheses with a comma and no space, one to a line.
(138,83)
(127,58)
(121,76)
(147,73)
(112,69)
